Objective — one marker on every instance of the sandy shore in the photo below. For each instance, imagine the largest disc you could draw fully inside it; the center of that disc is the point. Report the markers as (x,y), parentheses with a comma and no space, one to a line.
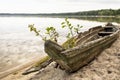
(15,52)
(105,67)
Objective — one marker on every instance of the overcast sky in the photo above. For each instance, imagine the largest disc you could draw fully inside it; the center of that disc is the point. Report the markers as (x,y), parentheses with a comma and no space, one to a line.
(55,6)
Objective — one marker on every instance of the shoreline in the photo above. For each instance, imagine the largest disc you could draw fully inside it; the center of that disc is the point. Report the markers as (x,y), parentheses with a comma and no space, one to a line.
(104,67)
(20,67)
(57,16)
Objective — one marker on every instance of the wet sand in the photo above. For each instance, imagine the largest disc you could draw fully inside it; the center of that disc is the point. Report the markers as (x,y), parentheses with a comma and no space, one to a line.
(16,54)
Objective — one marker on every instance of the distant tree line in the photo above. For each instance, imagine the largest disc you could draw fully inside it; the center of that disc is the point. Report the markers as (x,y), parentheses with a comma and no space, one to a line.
(102,12)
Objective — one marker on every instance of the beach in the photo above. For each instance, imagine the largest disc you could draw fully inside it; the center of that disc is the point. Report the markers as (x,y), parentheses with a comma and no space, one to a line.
(20,49)
(15,52)
(104,67)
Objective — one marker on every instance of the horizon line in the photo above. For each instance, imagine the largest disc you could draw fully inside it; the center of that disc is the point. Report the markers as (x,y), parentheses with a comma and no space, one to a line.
(51,12)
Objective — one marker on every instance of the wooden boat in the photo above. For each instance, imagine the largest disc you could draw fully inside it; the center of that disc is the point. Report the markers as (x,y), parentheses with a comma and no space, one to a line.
(87,46)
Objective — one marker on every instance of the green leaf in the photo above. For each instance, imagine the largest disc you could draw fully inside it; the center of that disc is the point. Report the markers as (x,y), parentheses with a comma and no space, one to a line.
(63,26)
(31,25)
(62,23)
(37,34)
(75,28)
(81,26)
(30,29)
(33,29)
(51,28)
(69,24)
(47,29)
(68,36)
(71,27)
(66,19)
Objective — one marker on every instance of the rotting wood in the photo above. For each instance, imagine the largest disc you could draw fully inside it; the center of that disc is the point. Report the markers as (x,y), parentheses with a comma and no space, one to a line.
(38,66)
(42,63)
(64,58)
(71,59)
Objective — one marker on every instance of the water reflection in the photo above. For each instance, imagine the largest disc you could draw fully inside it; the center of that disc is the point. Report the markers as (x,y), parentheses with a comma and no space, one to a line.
(101,19)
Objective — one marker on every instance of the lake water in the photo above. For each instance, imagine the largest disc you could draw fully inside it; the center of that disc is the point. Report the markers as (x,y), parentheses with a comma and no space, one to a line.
(17,27)
(19,45)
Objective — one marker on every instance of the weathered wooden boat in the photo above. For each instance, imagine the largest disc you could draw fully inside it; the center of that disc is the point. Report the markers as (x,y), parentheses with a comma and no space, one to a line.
(87,46)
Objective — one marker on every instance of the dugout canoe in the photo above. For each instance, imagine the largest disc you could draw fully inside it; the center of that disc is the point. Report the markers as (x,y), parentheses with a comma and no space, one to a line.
(87,46)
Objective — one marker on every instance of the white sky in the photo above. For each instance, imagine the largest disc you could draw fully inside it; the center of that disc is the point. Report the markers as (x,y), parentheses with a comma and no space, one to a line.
(55,6)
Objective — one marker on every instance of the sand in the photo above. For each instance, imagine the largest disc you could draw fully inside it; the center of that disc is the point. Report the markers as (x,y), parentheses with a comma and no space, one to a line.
(105,67)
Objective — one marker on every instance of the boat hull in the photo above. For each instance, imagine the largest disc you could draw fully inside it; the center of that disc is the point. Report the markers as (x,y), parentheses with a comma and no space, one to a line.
(74,58)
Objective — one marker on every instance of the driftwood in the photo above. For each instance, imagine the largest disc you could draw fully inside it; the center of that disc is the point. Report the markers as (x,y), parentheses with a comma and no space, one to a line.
(45,61)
